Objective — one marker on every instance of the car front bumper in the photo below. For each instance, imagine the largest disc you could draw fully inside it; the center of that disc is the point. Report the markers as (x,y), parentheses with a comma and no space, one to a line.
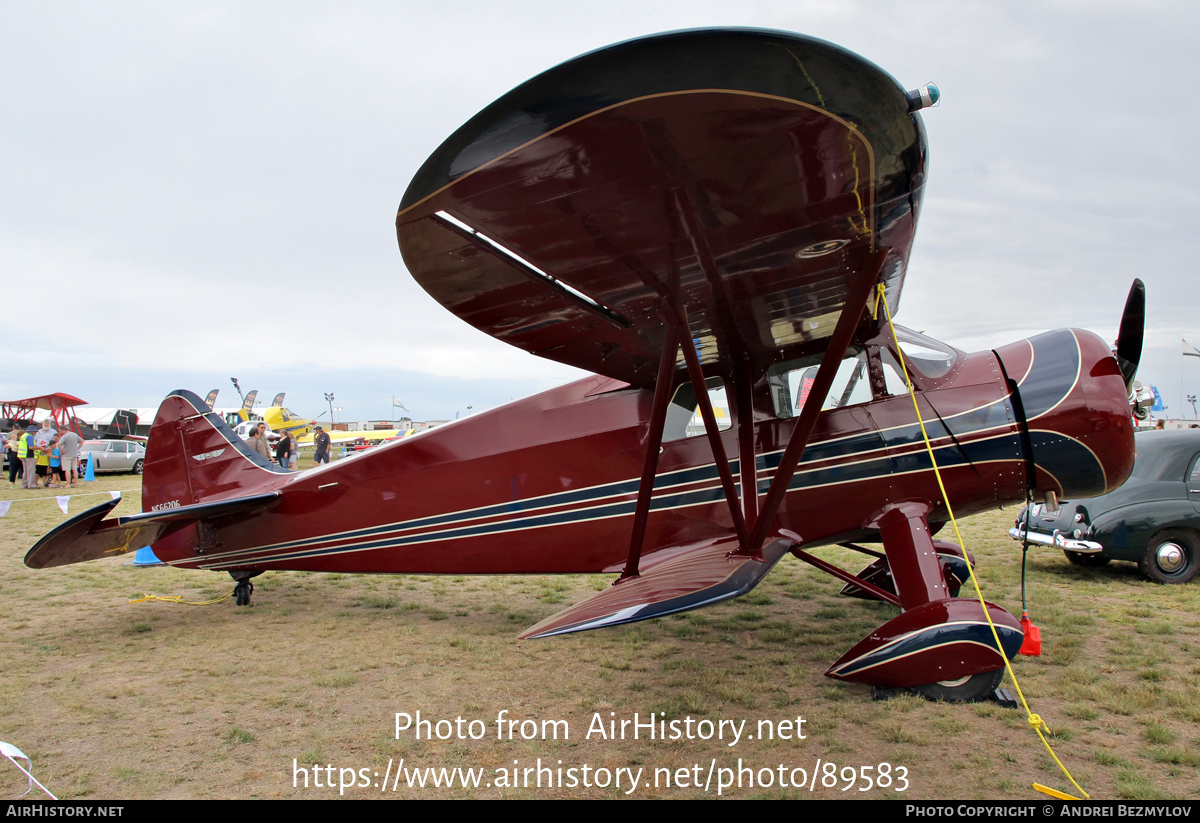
(1056,539)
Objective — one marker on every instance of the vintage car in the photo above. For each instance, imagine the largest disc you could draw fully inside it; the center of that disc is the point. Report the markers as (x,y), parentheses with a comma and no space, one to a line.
(114,455)
(1152,520)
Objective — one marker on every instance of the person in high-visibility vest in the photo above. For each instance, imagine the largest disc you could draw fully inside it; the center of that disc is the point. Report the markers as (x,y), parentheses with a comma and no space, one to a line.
(27,454)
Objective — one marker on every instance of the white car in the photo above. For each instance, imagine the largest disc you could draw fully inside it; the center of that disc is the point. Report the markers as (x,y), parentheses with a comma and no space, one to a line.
(242,430)
(113,455)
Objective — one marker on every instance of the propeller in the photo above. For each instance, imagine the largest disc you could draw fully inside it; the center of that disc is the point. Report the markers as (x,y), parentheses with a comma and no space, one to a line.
(1129,338)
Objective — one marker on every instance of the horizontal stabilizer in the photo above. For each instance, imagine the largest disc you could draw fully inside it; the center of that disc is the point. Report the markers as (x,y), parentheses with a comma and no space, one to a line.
(88,536)
(213,508)
(697,577)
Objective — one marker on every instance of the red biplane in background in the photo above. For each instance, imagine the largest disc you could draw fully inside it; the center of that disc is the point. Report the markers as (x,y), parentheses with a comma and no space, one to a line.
(716,218)
(123,425)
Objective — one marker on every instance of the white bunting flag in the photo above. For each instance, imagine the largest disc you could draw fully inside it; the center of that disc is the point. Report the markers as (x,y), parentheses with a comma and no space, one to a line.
(115,495)
(4,504)
(12,753)
(63,501)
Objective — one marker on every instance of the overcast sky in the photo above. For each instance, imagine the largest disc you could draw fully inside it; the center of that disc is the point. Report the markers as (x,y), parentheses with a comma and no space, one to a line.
(193,192)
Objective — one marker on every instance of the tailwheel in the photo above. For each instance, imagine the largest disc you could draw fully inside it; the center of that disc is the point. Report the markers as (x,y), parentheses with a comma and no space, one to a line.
(242,592)
(244,588)
(973,688)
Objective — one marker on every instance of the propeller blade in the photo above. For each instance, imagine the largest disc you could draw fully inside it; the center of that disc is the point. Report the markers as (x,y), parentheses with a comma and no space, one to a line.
(1129,338)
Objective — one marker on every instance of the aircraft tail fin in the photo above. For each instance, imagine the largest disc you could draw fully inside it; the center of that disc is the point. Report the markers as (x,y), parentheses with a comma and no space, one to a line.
(194,457)
(124,423)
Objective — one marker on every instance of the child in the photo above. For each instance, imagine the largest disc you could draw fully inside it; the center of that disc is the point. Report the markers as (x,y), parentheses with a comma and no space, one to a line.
(43,467)
(56,479)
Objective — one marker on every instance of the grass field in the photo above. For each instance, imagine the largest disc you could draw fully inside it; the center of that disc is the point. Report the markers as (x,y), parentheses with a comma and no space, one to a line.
(120,700)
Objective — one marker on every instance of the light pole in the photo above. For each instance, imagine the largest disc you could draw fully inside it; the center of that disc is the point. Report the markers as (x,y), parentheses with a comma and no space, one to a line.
(1192,400)
(329,400)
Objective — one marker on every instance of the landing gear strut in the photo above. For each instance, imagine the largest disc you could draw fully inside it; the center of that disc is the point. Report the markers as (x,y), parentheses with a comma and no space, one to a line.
(244,588)
(940,647)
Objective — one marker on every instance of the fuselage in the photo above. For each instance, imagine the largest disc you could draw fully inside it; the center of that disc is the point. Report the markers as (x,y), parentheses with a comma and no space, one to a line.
(548,484)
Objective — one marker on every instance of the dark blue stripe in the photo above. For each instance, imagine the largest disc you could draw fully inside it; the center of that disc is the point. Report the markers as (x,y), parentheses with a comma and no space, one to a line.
(1072,463)
(555,519)
(940,635)
(1055,360)
(991,416)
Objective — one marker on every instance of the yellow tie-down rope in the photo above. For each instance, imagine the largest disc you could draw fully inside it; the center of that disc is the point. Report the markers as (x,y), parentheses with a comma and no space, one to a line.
(178,598)
(1035,721)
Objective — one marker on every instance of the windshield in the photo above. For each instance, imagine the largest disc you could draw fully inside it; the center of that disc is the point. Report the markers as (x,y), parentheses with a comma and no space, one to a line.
(930,357)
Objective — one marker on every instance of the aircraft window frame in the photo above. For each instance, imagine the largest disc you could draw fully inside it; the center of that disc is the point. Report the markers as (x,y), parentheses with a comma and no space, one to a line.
(684,420)
(852,385)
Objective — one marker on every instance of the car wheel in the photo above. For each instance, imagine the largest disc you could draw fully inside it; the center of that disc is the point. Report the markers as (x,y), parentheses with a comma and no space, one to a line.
(137,467)
(1087,561)
(971,689)
(1173,556)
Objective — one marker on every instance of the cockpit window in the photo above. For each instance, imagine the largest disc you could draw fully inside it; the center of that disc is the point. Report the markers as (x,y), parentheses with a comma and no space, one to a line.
(683,414)
(930,357)
(791,382)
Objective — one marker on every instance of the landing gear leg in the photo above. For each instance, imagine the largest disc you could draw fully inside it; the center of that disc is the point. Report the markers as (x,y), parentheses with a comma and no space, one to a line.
(244,588)
(940,647)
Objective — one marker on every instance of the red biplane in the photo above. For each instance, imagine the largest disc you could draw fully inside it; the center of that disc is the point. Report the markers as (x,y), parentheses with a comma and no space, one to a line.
(123,424)
(717,223)
(58,404)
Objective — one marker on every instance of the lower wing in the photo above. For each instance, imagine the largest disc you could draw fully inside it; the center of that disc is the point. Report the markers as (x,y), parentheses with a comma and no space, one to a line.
(694,577)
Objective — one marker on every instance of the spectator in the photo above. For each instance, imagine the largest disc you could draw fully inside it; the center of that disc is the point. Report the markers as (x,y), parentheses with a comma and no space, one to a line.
(70,443)
(15,469)
(321,441)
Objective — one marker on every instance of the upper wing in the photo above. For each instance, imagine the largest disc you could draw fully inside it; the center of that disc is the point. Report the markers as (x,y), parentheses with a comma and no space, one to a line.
(47,402)
(743,174)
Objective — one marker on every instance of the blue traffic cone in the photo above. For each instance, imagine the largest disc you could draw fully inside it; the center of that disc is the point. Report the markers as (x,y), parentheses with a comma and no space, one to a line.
(146,557)
(90,474)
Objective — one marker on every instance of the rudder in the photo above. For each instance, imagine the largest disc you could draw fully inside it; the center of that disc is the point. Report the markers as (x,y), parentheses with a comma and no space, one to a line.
(193,456)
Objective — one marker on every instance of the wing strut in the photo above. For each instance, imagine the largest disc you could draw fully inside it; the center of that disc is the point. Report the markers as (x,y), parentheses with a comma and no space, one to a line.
(743,397)
(743,512)
(696,375)
(852,312)
(675,320)
(658,419)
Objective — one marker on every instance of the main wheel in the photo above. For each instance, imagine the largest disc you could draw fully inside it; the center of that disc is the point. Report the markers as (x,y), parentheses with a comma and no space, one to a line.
(1173,556)
(1085,560)
(970,689)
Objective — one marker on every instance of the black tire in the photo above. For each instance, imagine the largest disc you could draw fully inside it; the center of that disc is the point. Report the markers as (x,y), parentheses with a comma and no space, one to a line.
(1173,556)
(973,689)
(137,467)
(1086,561)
